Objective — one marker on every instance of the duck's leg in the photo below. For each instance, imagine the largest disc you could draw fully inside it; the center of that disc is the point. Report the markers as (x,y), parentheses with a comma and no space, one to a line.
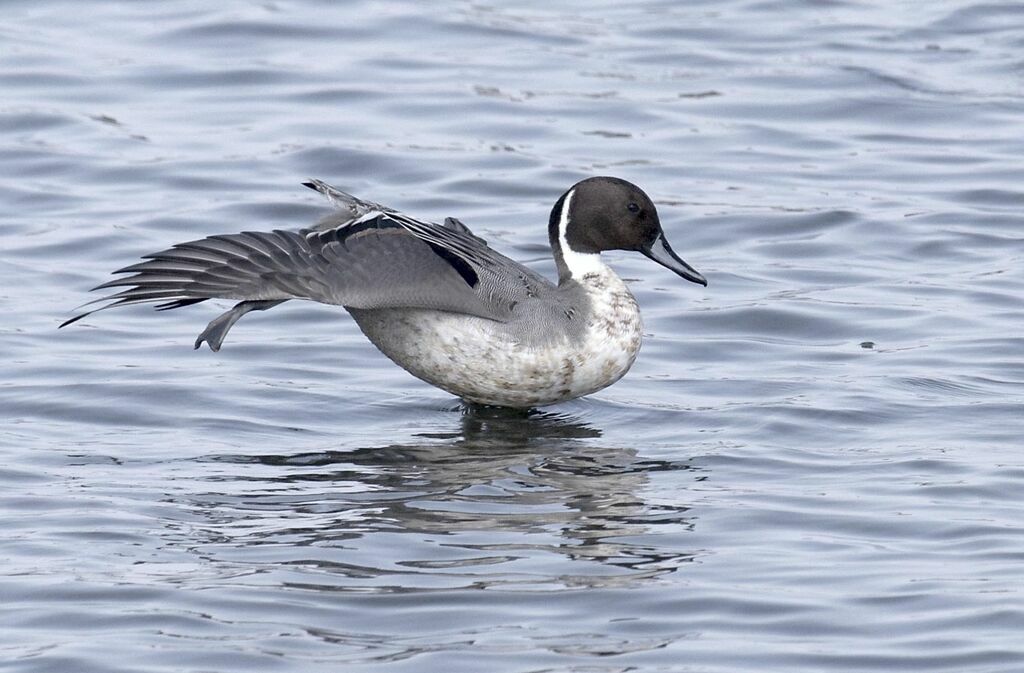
(218,328)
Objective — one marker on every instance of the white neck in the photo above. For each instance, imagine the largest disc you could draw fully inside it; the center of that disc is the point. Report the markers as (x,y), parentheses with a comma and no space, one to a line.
(579,264)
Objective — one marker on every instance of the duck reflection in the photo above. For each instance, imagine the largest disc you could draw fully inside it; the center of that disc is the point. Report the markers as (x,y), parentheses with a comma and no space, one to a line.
(499,498)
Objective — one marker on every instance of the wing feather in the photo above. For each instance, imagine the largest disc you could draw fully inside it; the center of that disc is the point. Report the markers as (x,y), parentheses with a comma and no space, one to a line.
(376,258)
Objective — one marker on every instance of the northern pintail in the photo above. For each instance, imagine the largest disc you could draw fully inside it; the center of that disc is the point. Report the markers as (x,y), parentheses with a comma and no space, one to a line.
(435,298)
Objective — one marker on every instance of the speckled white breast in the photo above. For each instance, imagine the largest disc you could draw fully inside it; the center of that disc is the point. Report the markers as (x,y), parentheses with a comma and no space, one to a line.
(489,362)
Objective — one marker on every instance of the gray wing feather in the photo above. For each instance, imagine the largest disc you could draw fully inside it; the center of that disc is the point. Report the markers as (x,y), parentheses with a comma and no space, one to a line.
(364,256)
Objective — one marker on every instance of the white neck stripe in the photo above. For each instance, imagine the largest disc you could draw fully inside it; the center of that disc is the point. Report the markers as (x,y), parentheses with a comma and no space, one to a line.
(579,264)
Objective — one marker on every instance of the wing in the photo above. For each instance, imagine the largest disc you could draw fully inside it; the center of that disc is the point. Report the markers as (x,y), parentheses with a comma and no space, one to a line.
(381,259)
(350,208)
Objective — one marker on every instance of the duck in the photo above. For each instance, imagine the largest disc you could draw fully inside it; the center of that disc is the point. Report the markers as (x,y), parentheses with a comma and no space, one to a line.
(435,298)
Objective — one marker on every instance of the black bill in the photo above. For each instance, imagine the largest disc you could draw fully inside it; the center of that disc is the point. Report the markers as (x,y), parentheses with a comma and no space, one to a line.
(661,252)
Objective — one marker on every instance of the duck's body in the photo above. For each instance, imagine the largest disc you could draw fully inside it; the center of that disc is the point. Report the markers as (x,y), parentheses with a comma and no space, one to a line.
(435,298)
(582,342)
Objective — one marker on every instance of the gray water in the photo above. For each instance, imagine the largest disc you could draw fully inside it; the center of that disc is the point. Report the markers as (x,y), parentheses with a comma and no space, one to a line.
(815,465)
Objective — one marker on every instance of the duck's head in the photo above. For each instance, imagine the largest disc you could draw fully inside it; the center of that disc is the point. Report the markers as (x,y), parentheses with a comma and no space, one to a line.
(605,213)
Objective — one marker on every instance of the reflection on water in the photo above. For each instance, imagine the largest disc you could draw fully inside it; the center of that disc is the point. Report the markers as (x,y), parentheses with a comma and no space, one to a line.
(498,500)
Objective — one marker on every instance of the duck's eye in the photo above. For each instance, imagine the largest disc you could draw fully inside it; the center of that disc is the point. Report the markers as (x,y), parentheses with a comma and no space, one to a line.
(633,207)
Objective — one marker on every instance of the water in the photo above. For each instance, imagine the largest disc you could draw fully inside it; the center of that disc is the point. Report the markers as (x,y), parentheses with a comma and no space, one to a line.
(815,464)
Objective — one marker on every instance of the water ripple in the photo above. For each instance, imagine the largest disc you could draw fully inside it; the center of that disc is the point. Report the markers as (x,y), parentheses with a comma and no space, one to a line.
(813,465)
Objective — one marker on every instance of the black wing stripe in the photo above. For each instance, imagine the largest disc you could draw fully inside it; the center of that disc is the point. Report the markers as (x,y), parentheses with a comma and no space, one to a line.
(464,268)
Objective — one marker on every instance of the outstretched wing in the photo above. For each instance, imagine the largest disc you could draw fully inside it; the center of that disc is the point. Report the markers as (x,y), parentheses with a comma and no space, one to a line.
(380,259)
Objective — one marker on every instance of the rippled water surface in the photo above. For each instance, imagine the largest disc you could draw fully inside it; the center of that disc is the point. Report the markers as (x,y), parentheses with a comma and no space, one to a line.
(815,465)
